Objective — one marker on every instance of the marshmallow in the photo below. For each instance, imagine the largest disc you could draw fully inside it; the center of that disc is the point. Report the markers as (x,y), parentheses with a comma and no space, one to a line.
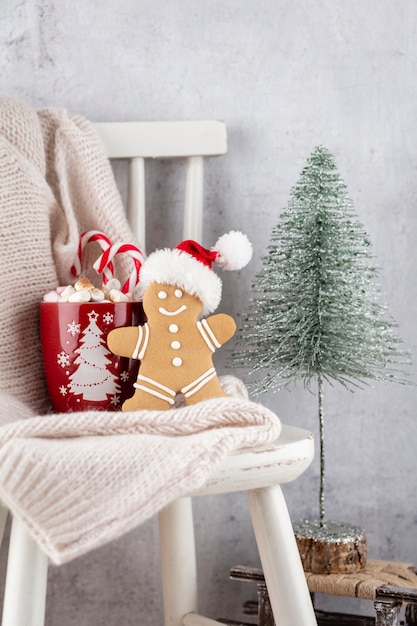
(97,295)
(113,283)
(67,292)
(83,283)
(80,296)
(115,295)
(52,296)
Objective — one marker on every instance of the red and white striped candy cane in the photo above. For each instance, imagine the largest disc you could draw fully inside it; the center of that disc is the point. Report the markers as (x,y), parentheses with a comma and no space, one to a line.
(104,243)
(118,248)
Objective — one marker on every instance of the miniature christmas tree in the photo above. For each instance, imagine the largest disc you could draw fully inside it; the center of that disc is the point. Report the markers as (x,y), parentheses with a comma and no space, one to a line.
(316,313)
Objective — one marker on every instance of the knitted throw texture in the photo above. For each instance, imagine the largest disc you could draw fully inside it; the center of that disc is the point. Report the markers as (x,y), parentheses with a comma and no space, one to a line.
(79,480)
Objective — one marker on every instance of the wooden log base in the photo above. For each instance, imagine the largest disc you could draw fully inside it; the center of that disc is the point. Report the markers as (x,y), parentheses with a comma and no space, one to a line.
(330,548)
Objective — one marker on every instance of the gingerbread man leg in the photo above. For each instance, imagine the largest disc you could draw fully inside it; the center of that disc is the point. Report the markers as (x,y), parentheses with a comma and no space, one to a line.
(210,389)
(150,394)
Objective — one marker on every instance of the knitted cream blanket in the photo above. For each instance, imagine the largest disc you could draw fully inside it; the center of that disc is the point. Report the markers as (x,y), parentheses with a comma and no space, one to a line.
(80,480)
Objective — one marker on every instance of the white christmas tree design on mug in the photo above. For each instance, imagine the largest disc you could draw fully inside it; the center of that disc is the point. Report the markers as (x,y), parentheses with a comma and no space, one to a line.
(92,379)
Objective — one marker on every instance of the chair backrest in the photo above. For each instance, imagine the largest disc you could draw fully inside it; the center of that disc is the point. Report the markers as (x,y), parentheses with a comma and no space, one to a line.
(138,141)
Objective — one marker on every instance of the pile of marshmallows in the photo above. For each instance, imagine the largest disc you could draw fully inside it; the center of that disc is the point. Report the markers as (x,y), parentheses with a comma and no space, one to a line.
(84,291)
(112,290)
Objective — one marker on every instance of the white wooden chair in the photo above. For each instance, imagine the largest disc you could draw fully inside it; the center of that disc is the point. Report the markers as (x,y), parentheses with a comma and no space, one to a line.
(259,471)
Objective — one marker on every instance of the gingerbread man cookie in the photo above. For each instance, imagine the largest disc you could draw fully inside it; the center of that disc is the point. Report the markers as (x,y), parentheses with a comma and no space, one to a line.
(175,347)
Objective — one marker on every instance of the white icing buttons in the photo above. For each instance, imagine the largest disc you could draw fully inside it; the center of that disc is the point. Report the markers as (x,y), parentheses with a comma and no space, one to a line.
(175,345)
(177,361)
(173,328)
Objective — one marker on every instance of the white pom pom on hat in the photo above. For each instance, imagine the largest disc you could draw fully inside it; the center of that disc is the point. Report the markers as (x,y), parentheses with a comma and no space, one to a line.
(234,250)
(189,266)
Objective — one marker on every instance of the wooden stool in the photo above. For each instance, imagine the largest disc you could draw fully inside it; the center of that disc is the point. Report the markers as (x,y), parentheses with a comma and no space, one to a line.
(388,584)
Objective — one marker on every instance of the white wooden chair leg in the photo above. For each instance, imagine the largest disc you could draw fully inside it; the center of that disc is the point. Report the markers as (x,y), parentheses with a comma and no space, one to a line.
(136,199)
(178,561)
(3,519)
(281,563)
(193,210)
(26,580)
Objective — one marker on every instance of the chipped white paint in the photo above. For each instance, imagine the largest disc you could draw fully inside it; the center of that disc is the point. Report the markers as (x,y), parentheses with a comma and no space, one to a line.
(287,459)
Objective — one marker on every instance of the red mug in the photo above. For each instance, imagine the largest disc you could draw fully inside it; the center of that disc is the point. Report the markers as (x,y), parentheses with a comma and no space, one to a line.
(80,371)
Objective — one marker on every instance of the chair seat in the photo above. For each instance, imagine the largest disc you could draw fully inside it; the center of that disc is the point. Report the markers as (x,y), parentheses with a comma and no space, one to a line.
(279,462)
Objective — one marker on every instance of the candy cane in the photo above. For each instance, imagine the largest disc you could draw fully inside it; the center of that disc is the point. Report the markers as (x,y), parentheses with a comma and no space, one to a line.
(118,248)
(104,243)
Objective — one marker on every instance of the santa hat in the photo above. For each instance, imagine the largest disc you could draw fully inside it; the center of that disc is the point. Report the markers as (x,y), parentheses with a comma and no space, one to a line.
(189,266)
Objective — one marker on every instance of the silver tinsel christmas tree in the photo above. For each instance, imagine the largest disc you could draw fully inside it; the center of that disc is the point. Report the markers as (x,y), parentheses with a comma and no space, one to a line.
(316,313)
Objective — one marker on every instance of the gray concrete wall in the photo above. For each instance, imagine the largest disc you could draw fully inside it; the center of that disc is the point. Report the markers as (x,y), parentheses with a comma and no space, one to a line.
(285,76)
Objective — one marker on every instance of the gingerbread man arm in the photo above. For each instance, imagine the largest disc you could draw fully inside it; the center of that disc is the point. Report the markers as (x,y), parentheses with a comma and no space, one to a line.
(131,341)
(217,329)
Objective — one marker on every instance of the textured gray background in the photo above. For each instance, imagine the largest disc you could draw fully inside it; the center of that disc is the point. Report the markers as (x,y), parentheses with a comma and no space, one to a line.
(285,76)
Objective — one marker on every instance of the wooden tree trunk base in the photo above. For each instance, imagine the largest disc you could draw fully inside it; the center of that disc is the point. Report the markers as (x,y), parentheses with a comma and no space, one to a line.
(331,548)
